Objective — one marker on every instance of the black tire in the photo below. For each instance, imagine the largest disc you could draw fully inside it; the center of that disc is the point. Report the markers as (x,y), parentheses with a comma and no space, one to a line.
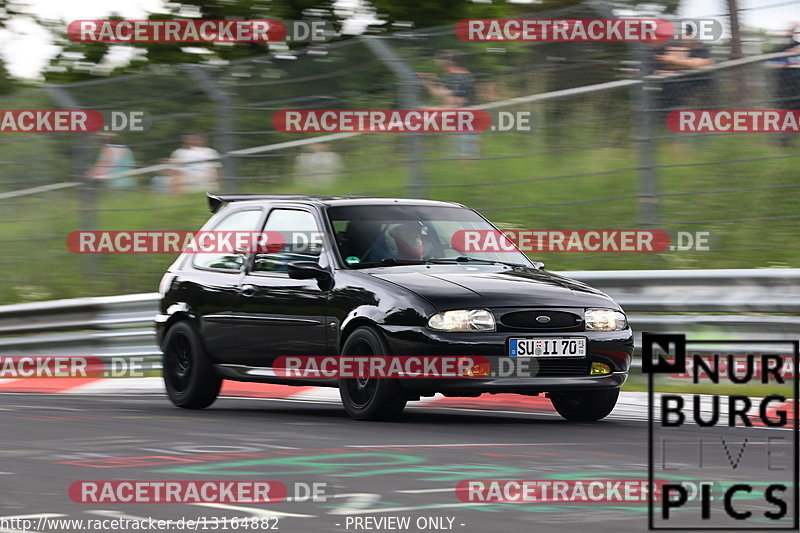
(585,406)
(188,374)
(370,398)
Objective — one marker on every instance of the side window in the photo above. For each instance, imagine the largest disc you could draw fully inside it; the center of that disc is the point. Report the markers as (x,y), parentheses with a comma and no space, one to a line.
(238,221)
(302,240)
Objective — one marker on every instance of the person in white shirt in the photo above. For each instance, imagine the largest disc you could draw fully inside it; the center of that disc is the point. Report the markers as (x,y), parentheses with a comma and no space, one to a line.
(196,165)
(318,167)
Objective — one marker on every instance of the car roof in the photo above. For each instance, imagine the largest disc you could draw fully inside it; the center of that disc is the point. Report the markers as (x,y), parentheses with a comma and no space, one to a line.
(216,201)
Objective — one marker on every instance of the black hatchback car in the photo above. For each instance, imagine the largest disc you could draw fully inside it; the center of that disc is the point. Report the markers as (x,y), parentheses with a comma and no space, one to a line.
(383,278)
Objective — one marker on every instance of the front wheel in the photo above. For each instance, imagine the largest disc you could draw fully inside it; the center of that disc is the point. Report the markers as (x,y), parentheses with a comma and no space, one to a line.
(370,398)
(585,406)
(189,378)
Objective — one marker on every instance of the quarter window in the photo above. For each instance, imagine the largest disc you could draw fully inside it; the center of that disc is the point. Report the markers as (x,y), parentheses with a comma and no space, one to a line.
(238,221)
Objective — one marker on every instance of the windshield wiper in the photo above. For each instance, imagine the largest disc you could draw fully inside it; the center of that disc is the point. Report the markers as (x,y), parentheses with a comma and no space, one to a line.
(392,261)
(467,259)
(389,261)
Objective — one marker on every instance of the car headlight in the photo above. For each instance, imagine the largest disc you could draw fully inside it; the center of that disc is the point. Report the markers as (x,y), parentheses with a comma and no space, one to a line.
(605,320)
(463,320)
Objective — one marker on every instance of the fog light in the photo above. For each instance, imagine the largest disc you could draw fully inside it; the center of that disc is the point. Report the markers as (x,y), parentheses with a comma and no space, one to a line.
(477,370)
(599,369)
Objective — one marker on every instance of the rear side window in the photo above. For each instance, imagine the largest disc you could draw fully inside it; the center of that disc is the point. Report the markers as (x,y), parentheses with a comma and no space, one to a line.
(239,221)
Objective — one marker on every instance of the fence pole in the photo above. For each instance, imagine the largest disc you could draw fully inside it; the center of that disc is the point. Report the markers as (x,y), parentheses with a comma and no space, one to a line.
(224,124)
(407,98)
(648,180)
(81,162)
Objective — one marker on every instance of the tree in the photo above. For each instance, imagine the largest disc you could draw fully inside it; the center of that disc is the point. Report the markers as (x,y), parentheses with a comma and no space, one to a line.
(736,40)
(8,10)
(7,83)
(77,61)
(427,13)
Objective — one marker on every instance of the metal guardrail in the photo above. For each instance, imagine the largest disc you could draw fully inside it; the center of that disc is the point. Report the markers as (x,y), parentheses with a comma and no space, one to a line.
(719,304)
(103,327)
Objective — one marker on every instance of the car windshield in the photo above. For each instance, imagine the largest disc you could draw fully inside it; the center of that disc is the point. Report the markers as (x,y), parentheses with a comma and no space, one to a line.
(372,235)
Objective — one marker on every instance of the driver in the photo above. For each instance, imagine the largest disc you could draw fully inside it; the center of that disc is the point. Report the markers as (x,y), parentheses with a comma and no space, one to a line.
(409,240)
(402,241)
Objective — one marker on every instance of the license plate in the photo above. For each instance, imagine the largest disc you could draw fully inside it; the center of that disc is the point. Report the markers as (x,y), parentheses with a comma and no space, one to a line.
(548,347)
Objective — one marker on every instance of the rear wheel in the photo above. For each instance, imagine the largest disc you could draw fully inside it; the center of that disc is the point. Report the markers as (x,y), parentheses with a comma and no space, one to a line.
(585,406)
(370,398)
(188,375)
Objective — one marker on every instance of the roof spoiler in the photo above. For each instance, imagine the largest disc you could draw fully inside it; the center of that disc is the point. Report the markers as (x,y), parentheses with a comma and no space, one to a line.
(216,201)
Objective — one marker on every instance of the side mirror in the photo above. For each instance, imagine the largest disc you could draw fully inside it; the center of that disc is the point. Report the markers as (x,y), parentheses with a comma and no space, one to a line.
(538,265)
(307,270)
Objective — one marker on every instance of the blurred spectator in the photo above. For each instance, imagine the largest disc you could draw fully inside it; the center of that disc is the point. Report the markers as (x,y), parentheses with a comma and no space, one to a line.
(318,167)
(792,44)
(197,165)
(789,71)
(457,90)
(687,55)
(787,81)
(113,159)
(688,90)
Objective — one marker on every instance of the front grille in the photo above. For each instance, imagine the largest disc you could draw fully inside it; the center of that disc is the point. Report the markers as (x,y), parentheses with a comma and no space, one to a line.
(548,320)
(561,367)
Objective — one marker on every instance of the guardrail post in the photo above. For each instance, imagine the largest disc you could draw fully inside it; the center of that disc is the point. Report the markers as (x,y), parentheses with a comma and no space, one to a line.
(648,183)
(81,162)
(648,180)
(224,124)
(645,113)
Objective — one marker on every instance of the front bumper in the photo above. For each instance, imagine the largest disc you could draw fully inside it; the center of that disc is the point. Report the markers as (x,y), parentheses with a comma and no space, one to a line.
(527,385)
(614,348)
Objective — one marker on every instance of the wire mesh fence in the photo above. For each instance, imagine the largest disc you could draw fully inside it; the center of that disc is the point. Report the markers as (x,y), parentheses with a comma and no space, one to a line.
(598,153)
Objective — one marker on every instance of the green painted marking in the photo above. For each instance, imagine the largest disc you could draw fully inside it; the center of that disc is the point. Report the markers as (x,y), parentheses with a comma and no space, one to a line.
(456,472)
(313,464)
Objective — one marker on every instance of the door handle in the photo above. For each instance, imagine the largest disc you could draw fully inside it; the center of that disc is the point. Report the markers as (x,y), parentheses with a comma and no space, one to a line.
(247,290)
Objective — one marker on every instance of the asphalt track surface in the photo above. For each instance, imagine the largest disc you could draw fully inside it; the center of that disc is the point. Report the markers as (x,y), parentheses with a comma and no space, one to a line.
(407,468)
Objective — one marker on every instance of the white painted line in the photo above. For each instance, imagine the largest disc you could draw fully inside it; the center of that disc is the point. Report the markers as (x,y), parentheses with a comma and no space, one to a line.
(460,445)
(121,386)
(376,510)
(255,511)
(318,394)
(426,491)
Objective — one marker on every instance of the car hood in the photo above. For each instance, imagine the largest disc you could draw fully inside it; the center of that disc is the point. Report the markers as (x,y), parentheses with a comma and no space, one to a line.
(459,287)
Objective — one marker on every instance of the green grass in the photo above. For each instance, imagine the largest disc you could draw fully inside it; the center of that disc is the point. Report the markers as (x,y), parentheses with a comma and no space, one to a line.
(37,265)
